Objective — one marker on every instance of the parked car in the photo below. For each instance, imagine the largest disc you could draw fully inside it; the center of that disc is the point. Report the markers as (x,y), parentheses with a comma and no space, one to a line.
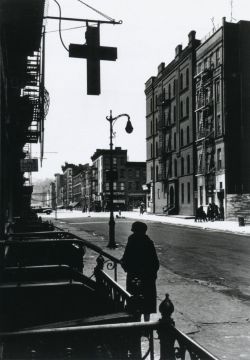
(42,209)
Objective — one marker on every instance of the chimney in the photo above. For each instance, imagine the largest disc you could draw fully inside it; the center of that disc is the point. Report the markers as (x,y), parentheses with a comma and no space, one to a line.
(178,50)
(191,37)
(161,67)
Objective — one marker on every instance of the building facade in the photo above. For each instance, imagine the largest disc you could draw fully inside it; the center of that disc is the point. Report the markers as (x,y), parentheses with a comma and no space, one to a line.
(222,119)
(198,151)
(169,134)
(21,94)
(101,164)
(59,190)
(128,179)
(135,179)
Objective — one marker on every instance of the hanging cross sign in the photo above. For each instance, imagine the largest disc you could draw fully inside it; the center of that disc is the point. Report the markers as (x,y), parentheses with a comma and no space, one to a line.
(93,52)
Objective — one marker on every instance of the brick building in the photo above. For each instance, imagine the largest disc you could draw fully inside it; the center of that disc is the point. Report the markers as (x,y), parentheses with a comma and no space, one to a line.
(222,119)
(128,179)
(197,122)
(169,133)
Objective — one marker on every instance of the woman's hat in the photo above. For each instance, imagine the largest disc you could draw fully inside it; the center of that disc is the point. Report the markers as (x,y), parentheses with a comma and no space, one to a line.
(139,226)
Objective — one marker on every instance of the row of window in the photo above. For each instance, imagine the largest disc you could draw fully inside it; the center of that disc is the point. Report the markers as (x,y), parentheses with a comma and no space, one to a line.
(185,168)
(210,164)
(211,61)
(184,112)
(121,186)
(171,145)
(170,90)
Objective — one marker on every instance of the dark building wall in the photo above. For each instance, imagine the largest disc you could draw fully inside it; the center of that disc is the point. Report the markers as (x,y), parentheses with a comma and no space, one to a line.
(237,106)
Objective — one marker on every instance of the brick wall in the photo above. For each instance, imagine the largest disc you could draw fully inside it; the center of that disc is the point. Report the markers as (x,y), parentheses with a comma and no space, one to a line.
(238,205)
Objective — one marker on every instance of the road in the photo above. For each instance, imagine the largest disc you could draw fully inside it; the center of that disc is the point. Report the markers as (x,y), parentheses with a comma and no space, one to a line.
(220,260)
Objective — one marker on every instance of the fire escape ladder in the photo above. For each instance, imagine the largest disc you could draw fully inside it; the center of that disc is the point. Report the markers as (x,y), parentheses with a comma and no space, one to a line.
(202,159)
(32,90)
(162,135)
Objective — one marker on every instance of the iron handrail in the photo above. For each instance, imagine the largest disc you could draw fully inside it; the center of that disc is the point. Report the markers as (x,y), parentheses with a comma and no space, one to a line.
(185,342)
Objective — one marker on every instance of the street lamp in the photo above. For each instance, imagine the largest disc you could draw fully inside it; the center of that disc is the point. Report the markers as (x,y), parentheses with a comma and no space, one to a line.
(129,129)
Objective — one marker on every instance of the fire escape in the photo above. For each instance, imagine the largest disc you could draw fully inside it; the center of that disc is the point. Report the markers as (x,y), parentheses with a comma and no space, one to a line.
(38,97)
(205,141)
(165,147)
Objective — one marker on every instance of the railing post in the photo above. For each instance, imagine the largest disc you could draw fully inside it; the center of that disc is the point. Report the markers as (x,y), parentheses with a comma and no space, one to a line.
(165,332)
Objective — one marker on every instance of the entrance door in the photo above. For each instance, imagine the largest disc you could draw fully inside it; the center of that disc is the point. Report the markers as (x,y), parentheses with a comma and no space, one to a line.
(171,196)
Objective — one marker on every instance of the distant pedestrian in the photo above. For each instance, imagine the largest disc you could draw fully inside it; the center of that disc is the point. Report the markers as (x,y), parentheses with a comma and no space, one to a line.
(141,263)
(141,209)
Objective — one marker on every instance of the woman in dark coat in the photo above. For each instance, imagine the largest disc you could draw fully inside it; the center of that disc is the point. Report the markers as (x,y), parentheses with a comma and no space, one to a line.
(140,261)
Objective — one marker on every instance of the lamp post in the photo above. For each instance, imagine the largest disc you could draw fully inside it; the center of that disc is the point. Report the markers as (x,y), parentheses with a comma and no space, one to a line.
(129,129)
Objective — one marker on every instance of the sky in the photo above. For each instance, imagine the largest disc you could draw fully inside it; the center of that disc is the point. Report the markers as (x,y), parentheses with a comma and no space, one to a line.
(76,123)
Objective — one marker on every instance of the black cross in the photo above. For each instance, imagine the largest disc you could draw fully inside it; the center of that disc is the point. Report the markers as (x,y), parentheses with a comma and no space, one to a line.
(93,52)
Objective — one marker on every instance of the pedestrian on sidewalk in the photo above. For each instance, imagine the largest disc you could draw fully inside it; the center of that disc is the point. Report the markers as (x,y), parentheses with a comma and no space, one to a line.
(140,261)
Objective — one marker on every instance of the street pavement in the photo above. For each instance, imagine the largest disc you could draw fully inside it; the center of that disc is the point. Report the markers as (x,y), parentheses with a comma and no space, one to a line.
(217,321)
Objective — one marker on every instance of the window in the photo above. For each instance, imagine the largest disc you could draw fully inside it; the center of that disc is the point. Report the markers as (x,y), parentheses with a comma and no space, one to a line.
(181,81)
(130,173)
(181,109)
(206,63)
(217,57)
(122,186)
(175,167)
(188,192)
(199,68)
(182,166)
(217,91)
(187,78)
(122,160)
(137,185)
(188,164)
(107,186)
(174,140)
(219,124)
(115,185)
(187,106)
(151,127)
(152,173)
(137,173)
(169,91)
(158,193)
(188,136)
(122,173)
(157,173)
(174,113)
(151,150)
(130,185)
(182,193)
(219,162)
(114,161)
(181,137)
(156,149)
(151,104)
(174,87)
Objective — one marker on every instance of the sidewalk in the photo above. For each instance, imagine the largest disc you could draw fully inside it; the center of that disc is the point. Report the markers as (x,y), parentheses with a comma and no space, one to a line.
(219,322)
(228,226)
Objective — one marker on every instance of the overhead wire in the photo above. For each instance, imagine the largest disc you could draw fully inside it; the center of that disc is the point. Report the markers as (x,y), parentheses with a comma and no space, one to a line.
(60,21)
(66,29)
(97,11)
